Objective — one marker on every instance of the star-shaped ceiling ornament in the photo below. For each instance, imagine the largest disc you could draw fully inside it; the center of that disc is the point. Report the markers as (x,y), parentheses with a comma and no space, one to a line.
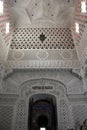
(42,37)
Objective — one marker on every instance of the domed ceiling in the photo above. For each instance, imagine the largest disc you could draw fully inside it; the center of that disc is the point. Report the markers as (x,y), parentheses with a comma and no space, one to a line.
(37,12)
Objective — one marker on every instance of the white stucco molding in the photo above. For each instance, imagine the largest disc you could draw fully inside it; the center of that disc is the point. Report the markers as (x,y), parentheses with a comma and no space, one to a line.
(48,85)
(44,64)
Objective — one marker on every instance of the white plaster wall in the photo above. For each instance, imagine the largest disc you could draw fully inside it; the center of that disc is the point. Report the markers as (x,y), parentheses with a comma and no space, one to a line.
(67,87)
(14,81)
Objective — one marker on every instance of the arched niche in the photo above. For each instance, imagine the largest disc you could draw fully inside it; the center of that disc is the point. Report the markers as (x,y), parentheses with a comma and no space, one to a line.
(42,112)
(46,86)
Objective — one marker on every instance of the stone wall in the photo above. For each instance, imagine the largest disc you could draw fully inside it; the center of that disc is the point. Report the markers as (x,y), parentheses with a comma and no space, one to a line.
(19,85)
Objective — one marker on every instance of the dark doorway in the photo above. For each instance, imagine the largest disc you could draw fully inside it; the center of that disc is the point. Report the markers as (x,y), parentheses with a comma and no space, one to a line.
(42,121)
(42,112)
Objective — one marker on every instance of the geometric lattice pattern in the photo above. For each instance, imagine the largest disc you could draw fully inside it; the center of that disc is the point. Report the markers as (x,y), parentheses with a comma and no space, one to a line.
(64,115)
(55,38)
(20,116)
(79,113)
(6,115)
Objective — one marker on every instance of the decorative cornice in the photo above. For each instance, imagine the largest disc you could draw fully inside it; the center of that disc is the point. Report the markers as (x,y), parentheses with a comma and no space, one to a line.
(74,72)
(44,64)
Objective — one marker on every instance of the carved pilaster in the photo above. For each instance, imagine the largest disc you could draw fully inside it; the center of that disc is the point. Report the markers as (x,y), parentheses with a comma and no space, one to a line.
(21,120)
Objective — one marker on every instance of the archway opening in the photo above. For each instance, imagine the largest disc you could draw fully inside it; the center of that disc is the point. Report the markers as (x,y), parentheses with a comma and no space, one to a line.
(42,112)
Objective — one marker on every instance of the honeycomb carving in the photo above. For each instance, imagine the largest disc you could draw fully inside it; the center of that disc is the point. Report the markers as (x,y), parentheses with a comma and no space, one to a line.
(64,115)
(20,115)
(6,114)
(29,38)
(79,113)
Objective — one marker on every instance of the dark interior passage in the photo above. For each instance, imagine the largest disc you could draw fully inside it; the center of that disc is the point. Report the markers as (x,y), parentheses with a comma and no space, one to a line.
(42,121)
(42,112)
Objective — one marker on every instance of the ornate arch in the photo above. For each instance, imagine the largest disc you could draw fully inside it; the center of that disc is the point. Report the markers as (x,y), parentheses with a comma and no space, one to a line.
(47,86)
(41,85)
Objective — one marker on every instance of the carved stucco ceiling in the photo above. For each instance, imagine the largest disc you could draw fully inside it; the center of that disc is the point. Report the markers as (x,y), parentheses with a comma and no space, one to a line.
(36,12)
(42,14)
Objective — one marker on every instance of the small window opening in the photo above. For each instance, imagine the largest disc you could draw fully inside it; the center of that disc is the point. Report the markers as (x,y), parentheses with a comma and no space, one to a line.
(1,7)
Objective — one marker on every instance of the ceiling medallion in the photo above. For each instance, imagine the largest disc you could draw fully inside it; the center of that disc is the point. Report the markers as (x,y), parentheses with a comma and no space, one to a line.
(42,37)
(66,54)
(42,55)
(17,55)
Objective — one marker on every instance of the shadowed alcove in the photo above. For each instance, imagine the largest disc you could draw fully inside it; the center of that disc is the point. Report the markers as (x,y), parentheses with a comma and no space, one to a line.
(42,112)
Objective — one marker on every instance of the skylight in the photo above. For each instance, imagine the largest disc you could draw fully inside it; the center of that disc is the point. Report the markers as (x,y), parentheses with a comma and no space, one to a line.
(1,7)
(7,27)
(77,27)
(83,6)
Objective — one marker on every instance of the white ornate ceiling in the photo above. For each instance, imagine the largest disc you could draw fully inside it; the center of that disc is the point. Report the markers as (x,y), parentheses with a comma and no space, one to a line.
(43,12)
(53,20)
